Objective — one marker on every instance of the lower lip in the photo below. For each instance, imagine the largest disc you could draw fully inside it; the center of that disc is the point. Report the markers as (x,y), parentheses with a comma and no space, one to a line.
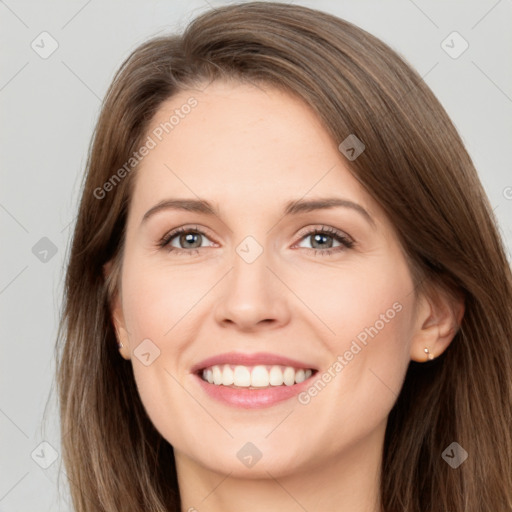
(252,398)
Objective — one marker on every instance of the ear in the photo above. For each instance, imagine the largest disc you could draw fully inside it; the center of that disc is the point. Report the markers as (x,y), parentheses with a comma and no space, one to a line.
(116,309)
(438,318)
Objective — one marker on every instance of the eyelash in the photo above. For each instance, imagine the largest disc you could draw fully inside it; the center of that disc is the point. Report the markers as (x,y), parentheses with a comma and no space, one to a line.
(347,243)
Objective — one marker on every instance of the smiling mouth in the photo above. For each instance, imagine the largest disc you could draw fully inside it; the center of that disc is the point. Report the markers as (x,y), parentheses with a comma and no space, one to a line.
(254,377)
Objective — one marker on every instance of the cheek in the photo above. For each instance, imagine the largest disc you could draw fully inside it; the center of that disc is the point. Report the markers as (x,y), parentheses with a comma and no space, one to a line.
(157,298)
(368,312)
(369,301)
(354,394)
(159,304)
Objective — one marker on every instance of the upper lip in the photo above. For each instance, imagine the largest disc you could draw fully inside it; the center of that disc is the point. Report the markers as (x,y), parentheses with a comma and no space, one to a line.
(239,358)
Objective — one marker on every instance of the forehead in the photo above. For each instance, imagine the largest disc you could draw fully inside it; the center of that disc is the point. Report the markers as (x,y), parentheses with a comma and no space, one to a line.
(241,144)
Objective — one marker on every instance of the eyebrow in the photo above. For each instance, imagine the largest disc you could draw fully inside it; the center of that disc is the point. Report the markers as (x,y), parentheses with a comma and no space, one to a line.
(291,208)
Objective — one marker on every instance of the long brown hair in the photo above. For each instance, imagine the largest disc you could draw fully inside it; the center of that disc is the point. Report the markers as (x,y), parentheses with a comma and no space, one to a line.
(416,167)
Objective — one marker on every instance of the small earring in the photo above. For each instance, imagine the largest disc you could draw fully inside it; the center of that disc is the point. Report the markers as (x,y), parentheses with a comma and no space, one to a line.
(429,355)
(119,345)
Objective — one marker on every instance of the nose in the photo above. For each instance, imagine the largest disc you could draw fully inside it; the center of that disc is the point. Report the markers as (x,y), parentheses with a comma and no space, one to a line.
(253,296)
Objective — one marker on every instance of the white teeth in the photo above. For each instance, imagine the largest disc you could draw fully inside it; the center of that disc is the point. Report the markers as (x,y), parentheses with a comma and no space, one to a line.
(242,376)
(259,376)
(289,376)
(228,377)
(217,375)
(276,376)
(300,376)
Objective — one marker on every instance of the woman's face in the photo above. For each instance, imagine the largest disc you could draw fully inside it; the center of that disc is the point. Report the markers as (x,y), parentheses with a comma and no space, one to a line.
(254,285)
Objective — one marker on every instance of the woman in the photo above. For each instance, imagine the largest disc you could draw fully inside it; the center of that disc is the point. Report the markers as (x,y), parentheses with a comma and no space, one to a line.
(251,371)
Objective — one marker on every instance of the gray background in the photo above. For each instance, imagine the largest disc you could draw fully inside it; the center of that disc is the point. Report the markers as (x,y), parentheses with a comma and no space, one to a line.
(49,107)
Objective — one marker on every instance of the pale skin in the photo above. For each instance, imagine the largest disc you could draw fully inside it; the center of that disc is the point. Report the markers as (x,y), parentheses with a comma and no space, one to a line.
(248,151)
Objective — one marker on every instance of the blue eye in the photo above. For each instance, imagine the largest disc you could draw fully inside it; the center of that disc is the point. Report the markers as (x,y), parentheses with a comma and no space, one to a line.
(321,235)
(191,240)
(185,235)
